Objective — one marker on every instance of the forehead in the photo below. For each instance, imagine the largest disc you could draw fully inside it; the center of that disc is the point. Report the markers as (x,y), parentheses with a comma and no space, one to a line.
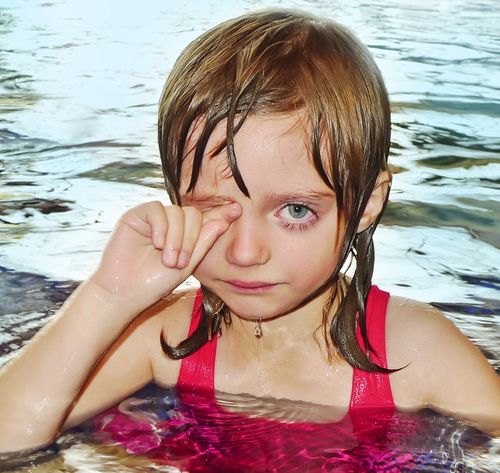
(269,149)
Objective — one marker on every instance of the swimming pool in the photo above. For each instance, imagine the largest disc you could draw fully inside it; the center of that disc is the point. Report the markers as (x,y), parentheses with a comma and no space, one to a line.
(80,83)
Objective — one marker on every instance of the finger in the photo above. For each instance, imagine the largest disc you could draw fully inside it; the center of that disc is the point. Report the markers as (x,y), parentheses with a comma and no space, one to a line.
(157,219)
(149,220)
(192,227)
(209,233)
(228,212)
(214,223)
(174,236)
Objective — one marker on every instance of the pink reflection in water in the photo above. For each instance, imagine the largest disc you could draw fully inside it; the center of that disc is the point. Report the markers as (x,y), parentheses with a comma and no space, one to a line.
(200,437)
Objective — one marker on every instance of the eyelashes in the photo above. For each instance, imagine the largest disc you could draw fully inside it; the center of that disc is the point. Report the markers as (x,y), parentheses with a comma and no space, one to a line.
(296,216)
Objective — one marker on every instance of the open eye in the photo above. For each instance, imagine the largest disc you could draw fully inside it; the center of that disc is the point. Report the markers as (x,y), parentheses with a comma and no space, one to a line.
(297,211)
(296,216)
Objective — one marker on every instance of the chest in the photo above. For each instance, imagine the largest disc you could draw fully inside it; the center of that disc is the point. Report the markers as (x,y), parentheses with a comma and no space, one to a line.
(298,372)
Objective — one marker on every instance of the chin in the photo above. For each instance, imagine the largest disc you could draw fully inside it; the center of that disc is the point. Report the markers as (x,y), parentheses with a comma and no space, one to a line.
(252,309)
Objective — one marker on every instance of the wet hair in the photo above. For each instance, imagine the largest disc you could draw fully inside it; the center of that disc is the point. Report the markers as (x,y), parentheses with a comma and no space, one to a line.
(283,62)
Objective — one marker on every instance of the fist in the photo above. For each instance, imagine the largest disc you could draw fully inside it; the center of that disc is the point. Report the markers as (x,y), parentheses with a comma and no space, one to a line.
(154,248)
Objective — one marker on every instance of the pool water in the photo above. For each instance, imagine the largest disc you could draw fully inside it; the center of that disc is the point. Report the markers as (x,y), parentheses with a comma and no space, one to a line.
(158,430)
(79,86)
(158,427)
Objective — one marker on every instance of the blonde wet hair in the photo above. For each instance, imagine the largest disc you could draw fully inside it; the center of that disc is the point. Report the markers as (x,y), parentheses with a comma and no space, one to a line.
(277,62)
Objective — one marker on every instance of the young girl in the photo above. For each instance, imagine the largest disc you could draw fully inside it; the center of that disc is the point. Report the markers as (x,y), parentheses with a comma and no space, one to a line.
(274,132)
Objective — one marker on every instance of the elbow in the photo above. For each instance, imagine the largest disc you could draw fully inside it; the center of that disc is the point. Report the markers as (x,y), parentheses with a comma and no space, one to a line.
(26,435)
(16,446)
(14,457)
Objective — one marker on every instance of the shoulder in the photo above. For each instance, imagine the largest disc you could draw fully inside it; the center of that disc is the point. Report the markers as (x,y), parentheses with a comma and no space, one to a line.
(421,335)
(417,322)
(169,315)
(413,330)
(441,367)
(417,332)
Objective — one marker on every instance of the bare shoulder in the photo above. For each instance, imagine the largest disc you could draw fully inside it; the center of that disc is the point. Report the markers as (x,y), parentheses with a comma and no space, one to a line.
(402,310)
(418,333)
(410,330)
(170,315)
(412,324)
(441,367)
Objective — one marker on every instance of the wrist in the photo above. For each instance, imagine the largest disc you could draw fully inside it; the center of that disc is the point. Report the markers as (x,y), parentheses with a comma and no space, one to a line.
(113,306)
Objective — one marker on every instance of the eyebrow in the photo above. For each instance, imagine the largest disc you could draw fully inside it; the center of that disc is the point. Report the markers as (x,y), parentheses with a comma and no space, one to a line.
(308,195)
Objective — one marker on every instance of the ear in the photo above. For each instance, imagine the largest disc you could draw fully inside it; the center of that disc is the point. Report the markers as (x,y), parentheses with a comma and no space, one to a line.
(376,201)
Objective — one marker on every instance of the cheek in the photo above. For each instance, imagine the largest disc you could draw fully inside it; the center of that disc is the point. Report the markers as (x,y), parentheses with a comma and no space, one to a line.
(317,254)
(308,260)
(211,260)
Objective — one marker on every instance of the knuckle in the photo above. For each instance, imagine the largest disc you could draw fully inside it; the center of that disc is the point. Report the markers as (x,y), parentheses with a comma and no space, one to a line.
(154,205)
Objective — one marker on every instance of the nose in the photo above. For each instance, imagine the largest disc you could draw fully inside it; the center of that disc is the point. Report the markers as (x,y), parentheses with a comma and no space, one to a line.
(247,245)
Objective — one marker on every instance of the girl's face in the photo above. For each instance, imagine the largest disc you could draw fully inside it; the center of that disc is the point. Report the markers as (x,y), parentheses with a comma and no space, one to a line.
(286,242)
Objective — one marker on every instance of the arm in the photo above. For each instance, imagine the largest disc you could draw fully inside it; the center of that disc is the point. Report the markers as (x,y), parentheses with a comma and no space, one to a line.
(40,386)
(123,369)
(447,372)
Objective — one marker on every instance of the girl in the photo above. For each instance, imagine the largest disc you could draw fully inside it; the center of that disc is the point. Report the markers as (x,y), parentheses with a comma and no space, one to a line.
(274,132)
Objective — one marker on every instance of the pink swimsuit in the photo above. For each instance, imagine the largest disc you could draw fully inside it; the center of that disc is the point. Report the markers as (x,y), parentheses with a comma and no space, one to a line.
(200,436)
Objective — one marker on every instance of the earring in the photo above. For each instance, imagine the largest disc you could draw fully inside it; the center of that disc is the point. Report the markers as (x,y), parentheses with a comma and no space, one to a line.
(258,329)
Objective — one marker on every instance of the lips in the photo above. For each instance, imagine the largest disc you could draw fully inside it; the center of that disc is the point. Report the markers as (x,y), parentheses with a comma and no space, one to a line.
(250,286)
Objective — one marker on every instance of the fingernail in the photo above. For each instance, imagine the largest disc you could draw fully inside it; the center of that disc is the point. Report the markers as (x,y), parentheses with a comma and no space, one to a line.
(170,257)
(183,260)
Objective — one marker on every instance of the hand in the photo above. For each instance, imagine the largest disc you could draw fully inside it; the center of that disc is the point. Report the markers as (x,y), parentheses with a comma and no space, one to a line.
(154,248)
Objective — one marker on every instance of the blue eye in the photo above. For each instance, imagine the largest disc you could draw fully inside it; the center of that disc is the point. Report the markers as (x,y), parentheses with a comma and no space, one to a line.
(297,211)
(296,216)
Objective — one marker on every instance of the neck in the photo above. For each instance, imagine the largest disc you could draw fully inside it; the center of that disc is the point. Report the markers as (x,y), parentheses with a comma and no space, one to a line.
(284,330)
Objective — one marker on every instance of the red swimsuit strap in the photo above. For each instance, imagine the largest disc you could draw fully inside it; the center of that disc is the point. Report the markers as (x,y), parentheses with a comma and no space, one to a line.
(369,389)
(197,370)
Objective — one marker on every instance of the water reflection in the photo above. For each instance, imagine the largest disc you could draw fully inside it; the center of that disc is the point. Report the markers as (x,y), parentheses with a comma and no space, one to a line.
(203,437)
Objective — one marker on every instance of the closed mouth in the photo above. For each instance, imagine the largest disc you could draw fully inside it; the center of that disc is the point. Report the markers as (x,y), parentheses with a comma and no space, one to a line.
(250,285)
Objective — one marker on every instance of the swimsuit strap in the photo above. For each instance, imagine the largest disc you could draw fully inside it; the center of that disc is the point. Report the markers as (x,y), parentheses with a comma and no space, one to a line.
(197,370)
(369,389)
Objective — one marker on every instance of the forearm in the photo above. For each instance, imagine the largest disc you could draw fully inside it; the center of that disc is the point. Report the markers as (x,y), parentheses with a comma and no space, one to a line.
(38,387)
